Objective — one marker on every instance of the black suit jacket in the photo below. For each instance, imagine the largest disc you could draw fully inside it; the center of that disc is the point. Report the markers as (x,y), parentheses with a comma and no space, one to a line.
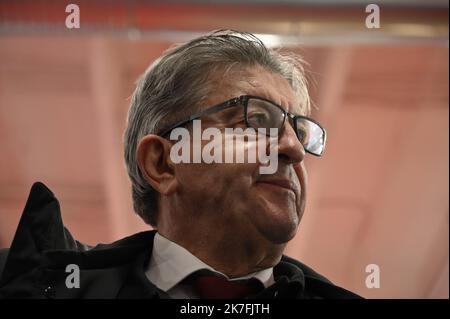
(35,265)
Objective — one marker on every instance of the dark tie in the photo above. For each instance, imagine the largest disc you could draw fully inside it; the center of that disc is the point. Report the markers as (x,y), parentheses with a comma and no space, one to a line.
(211,286)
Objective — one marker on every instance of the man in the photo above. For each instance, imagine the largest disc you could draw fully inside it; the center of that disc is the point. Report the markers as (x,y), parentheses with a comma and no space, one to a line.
(220,226)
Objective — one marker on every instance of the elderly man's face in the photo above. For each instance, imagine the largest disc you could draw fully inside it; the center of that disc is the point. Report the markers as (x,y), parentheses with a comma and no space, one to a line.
(237,197)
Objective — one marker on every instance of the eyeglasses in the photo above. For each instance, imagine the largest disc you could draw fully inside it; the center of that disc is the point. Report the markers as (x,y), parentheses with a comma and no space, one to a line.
(262,113)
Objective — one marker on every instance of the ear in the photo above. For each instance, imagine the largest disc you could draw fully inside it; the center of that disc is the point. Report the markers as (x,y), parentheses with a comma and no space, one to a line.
(153,156)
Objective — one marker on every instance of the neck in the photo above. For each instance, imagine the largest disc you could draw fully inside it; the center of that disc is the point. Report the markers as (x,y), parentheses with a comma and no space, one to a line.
(235,253)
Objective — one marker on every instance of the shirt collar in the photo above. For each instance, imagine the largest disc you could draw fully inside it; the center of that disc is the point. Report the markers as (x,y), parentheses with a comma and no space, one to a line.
(170,263)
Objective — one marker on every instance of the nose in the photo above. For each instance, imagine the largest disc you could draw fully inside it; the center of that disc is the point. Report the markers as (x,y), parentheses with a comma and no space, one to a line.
(289,145)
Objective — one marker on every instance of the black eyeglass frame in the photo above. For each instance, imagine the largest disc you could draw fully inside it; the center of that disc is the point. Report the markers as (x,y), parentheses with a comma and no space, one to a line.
(243,100)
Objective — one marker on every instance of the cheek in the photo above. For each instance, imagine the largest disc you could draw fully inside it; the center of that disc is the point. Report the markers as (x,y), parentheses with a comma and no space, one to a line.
(219,183)
(215,180)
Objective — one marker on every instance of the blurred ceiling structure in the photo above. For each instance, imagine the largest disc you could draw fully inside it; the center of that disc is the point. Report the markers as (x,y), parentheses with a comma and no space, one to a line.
(292,22)
(380,193)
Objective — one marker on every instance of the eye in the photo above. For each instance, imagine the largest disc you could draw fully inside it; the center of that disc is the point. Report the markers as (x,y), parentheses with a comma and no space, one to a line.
(302,135)
(257,118)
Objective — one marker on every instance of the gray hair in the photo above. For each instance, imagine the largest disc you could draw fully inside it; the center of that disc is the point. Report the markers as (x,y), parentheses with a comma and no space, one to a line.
(175,84)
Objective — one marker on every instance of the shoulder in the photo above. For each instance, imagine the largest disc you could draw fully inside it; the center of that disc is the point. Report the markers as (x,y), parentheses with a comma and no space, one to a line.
(42,248)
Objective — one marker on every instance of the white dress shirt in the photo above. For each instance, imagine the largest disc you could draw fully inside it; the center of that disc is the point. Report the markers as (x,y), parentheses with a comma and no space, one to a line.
(170,264)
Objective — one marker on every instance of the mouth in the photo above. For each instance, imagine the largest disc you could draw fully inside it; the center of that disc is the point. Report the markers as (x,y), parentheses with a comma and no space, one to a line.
(279,183)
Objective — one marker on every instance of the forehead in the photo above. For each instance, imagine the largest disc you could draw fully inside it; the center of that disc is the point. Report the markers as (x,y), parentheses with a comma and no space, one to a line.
(259,82)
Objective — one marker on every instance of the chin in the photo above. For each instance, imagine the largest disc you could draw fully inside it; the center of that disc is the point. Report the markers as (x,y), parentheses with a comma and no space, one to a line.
(281,237)
(280,231)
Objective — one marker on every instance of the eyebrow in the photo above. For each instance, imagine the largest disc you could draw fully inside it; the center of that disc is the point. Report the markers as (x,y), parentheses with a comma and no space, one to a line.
(229,113)
(295,108)
(258,89)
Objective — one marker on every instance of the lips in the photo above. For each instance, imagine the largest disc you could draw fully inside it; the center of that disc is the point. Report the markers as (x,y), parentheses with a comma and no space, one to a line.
(287,184)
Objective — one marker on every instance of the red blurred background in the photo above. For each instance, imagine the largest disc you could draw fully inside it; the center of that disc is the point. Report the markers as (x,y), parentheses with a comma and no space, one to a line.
(378,196)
